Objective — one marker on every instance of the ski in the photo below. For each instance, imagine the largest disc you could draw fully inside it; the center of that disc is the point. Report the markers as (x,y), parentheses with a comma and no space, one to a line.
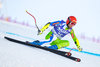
(52,50)
(62,53)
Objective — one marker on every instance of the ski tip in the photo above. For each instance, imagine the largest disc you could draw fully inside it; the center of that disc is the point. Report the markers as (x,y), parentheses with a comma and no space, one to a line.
(78,60)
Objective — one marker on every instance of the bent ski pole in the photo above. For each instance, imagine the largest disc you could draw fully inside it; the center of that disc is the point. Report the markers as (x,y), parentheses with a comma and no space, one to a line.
(35,21)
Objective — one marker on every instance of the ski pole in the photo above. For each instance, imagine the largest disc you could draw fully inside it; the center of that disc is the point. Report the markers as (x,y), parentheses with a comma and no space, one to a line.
(34,20)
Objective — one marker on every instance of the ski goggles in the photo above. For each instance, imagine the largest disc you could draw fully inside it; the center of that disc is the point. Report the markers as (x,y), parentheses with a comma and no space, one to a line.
(72,23)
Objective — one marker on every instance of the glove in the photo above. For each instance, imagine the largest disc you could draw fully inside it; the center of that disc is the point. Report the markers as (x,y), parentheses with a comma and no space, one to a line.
(80,49)
(39,32)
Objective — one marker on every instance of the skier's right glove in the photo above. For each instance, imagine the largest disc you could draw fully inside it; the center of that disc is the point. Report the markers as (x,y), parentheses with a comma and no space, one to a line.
(39,32)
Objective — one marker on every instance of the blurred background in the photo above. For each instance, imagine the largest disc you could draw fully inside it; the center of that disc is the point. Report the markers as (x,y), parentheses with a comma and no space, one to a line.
(87,13)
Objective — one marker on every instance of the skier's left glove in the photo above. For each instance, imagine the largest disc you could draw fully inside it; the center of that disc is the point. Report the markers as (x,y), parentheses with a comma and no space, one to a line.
(80,49)
(78,45)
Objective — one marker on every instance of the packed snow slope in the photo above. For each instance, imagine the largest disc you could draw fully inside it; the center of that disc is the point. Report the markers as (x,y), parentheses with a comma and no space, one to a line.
(17,55)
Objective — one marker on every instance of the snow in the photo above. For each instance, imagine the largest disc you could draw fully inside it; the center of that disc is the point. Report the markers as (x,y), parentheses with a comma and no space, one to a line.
(17,55)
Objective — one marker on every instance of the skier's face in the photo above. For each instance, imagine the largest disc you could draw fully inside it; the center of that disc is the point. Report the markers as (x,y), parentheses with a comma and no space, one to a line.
(70,25)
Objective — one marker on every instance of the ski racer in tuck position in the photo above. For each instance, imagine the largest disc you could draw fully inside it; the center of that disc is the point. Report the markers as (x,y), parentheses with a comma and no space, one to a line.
(60,29)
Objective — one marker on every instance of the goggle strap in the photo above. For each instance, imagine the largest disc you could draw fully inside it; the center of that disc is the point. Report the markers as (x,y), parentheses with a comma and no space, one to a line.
(69,20)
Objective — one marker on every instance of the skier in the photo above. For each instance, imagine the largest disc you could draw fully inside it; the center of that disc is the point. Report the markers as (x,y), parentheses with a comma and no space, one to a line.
(60,29)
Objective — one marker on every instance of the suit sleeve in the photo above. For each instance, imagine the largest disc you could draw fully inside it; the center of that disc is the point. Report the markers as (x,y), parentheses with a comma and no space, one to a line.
(76,41)
(49,24)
